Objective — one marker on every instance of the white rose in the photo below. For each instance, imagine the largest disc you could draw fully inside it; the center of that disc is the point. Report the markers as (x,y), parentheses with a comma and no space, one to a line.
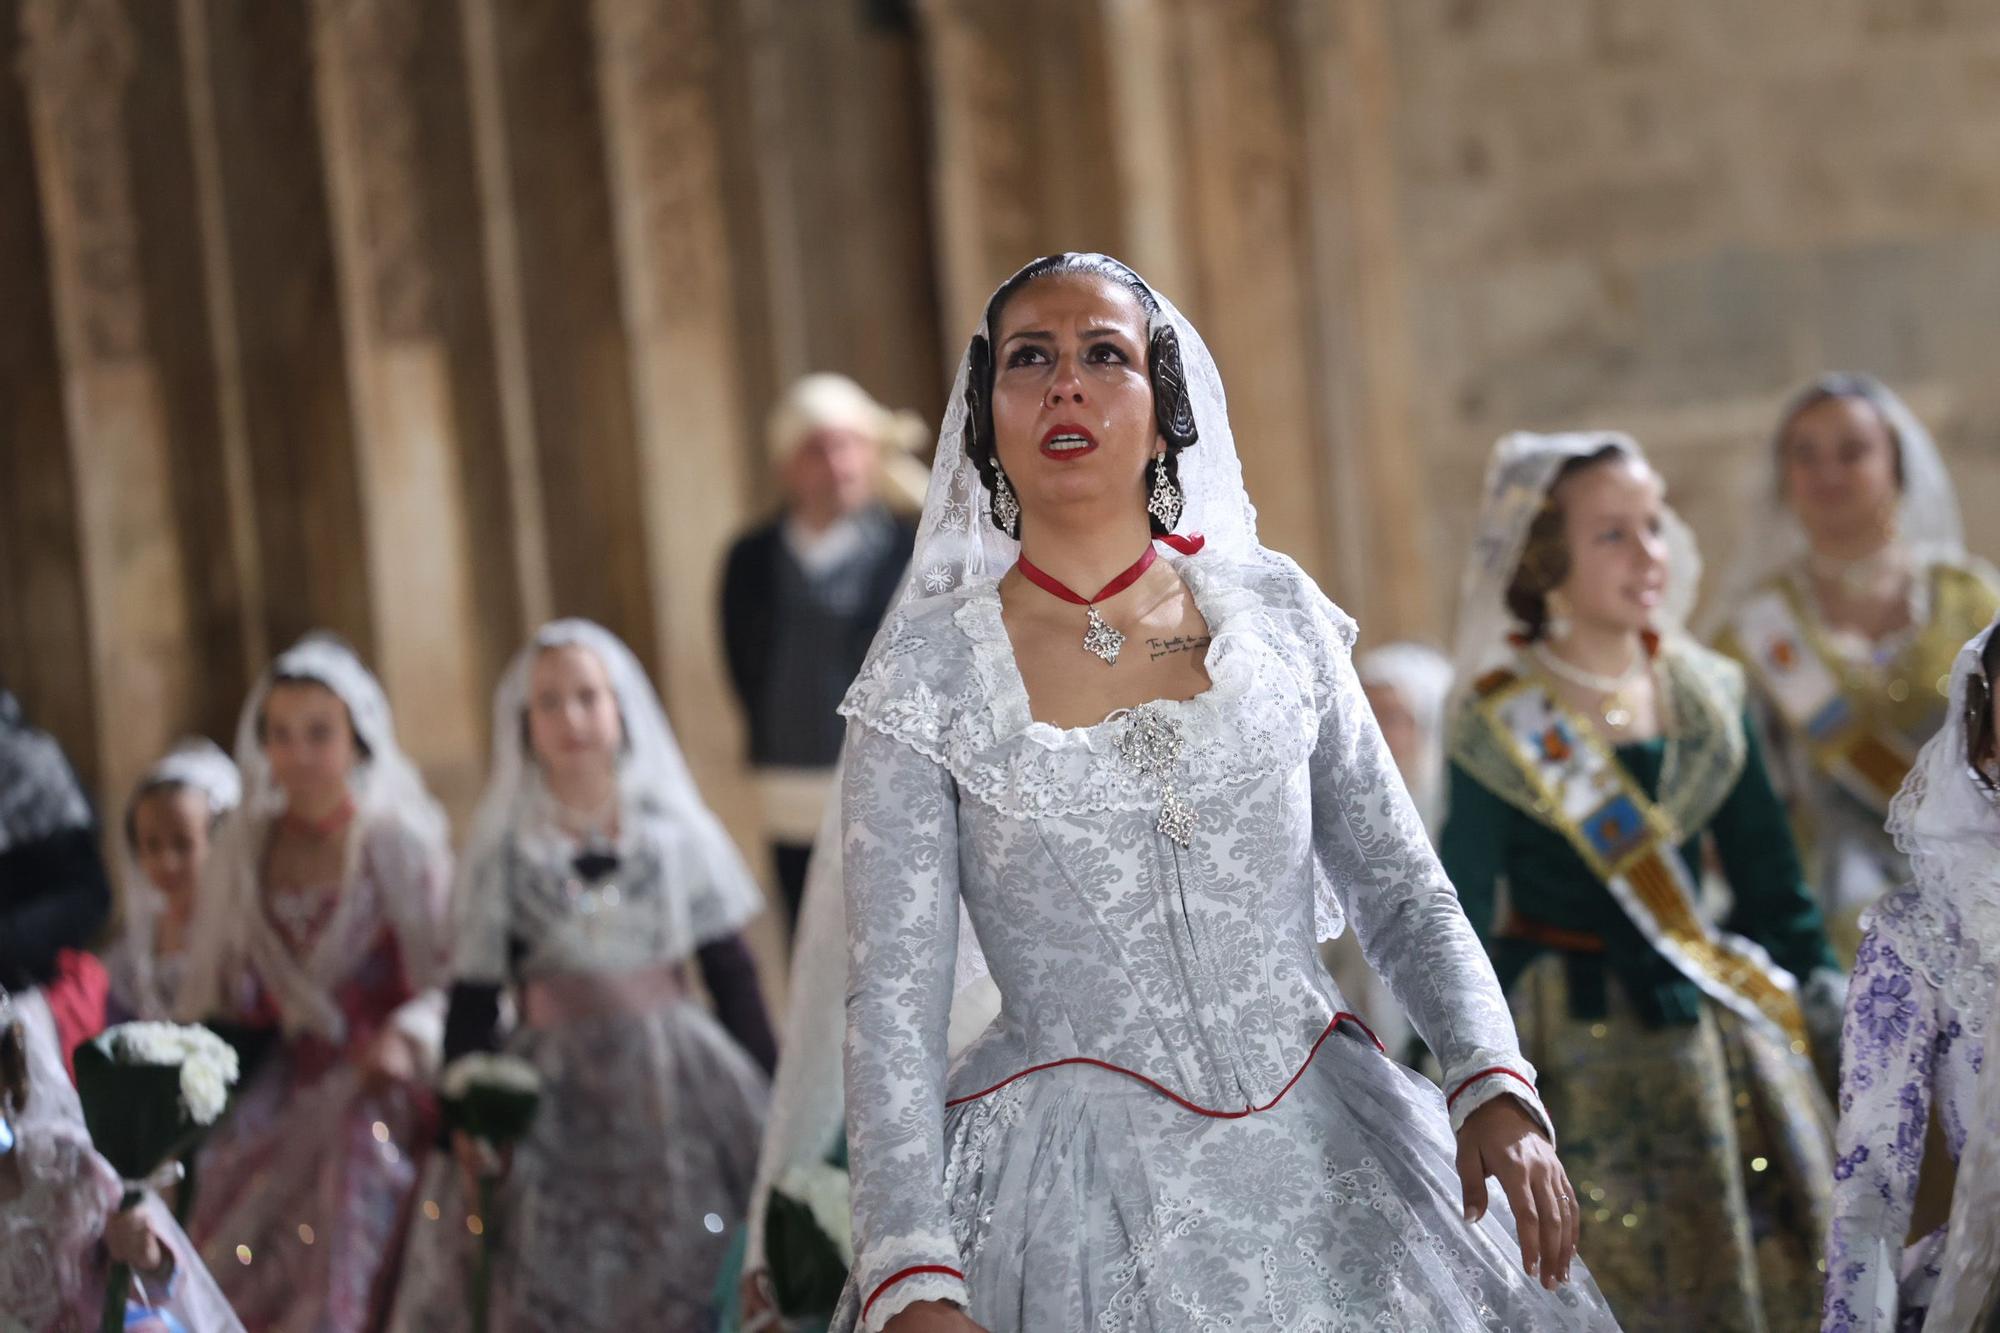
(480,1069)
(203,1091)
(208,1064)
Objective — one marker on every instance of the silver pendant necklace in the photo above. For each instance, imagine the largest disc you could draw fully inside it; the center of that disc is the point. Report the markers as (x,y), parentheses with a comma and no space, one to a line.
(1100,638)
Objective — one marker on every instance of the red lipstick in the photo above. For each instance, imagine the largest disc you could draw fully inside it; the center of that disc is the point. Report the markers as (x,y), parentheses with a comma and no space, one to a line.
(1066,440)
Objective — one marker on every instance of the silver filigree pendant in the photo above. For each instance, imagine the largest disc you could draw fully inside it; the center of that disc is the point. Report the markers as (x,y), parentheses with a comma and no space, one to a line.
(1100,638)
(1165,502)
(1177,818)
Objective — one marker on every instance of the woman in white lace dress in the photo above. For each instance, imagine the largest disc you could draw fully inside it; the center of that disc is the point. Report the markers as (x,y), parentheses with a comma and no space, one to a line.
(1917,1018)
(1152,808)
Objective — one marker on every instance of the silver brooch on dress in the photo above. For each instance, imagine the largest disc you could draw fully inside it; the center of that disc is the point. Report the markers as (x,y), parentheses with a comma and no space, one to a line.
(1151,742)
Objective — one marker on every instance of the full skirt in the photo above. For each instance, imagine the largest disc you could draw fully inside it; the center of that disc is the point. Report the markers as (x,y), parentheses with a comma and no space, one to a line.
(1084,1200)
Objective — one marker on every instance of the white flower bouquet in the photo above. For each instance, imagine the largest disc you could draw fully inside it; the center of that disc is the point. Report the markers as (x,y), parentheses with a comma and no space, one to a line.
(491,1099)
(149,1091)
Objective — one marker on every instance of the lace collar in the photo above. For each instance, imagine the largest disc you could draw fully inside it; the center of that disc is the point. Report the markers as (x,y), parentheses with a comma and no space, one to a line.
(1225,606)
(1270,668)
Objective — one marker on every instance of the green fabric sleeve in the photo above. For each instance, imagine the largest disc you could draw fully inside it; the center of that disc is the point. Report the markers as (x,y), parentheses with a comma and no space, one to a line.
(1473,847)
(1753,836)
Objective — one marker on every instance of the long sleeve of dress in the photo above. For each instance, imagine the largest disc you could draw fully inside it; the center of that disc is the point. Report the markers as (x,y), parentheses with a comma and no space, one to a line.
(1773,905)
(1887,1053)
(900,856)
(472,1019)
(1412,927)
(730,973)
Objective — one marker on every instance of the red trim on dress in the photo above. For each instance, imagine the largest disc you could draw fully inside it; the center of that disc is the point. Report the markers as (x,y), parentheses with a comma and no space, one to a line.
(1484,1073)
(1169,1093)
(894,1278)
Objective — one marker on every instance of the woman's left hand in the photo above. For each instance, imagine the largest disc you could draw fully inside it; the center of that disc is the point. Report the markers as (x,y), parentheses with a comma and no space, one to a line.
(131,1240)
(392,1058)
(1501,1139)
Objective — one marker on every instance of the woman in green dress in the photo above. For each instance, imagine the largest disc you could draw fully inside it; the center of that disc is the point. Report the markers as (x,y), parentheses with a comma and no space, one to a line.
(1595,754)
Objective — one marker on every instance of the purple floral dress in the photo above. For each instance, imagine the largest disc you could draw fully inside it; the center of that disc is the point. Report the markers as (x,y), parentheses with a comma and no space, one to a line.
(1906,1045)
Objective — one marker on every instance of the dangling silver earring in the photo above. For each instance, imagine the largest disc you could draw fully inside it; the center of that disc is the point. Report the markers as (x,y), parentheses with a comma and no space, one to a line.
(1006,509)
(1558,624)
(1165,503)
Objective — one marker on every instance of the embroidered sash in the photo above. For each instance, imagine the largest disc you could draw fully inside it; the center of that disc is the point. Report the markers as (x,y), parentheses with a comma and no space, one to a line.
(1587,795)
(1844,738)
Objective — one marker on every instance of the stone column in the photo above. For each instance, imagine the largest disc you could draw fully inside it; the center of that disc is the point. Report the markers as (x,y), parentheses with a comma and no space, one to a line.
(1359,302)
(271,266)
(562,350)
(657,75)
(505,310)
(1144,83)
(80,60)
(371,58)
(1242,151)
(233,480)
(981,156)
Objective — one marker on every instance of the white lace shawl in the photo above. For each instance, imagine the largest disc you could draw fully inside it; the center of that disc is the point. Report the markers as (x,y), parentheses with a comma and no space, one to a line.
(1949,827)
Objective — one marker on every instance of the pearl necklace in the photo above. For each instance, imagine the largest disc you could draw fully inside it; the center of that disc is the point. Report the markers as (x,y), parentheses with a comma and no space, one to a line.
(1616,707)
(1860,577)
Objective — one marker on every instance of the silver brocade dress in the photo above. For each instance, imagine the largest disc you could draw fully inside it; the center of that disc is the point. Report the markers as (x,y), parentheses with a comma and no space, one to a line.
(1172,1124)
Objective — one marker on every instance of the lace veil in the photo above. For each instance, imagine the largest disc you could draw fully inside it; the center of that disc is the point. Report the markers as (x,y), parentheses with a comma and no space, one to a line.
(386,785)
(655,785)
(1948,824)
(1518,478)
(196,763)
(1771,539)
(957,541)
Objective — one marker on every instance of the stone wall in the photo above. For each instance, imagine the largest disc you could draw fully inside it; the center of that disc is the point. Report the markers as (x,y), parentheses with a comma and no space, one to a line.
(1665,217)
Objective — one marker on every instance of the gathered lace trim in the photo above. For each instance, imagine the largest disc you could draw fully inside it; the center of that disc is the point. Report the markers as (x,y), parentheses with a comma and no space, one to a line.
(926,1282)
(1271,669)
(1931,937)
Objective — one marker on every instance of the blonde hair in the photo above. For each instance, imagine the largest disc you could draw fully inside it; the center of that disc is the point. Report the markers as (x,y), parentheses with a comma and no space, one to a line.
(828,401)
